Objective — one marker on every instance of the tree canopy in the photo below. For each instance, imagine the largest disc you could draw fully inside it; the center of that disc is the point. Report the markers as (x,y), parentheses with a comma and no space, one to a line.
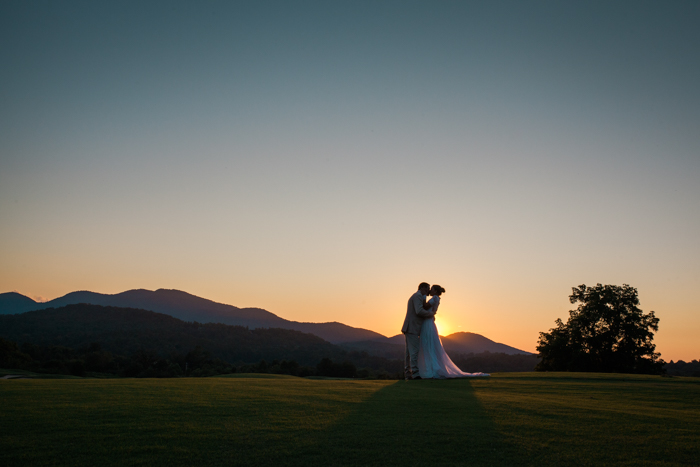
(607,332)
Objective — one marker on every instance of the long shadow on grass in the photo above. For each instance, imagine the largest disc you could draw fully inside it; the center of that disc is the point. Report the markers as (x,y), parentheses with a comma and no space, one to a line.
(415,423)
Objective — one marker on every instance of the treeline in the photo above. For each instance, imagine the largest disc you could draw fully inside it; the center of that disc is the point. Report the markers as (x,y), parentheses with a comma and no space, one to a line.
(326,368)
(495,362)
(93,361)
(126,331)
(681,368)
(92,340)
(136,342)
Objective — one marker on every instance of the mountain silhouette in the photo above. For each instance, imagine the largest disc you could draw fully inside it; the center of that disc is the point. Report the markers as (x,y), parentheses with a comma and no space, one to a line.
(188,307)
(125,331)
(469,342)
(457,343)
(12,303)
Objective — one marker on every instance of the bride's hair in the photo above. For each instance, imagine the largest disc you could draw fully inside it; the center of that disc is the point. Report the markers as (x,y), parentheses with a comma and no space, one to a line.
(438,290)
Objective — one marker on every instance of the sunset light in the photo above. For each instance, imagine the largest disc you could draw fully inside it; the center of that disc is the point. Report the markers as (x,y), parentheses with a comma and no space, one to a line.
(320,161)
(444,326)
(349,233)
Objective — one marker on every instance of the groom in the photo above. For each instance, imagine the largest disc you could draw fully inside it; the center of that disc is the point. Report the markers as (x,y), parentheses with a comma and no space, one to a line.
(415,315)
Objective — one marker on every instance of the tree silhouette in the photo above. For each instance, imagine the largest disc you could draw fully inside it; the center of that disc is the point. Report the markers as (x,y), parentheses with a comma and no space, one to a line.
(606,333)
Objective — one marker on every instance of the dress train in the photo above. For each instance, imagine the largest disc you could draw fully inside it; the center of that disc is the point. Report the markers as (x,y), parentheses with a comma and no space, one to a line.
(433,362)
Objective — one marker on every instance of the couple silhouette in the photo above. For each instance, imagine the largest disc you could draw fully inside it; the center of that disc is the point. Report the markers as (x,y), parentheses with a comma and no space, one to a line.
(425,357)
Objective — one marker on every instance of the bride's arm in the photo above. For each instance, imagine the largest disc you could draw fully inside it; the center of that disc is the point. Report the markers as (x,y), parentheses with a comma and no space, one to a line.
(430,307)
(421,309)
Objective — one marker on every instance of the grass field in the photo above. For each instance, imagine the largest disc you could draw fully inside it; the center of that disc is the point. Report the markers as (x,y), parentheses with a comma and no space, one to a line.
(508,419)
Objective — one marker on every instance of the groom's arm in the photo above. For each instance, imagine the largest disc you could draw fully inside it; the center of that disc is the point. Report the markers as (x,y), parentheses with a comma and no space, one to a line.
(418,304)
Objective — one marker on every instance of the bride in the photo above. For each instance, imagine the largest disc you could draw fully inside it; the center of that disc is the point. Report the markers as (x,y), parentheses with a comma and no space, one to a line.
(433,362)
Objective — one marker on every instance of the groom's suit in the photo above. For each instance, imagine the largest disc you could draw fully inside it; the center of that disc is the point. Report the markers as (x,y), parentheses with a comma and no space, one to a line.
(415,315)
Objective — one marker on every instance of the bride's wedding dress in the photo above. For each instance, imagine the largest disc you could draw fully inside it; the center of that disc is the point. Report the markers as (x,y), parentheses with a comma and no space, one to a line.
(433,362)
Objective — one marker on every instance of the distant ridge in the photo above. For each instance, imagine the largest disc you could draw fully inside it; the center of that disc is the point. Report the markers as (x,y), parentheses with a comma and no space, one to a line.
(12,303)
(126,331)
(469,342)
(188,307)
(457,343)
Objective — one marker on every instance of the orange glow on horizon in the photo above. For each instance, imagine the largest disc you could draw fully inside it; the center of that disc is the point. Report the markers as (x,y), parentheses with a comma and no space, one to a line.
(444,326)
(473,312)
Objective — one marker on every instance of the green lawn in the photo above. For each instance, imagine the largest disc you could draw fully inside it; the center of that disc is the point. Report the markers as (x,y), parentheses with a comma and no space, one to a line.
(508,419)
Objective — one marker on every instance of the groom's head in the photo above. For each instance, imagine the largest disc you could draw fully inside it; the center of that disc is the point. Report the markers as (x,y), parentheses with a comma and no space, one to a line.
(424,288)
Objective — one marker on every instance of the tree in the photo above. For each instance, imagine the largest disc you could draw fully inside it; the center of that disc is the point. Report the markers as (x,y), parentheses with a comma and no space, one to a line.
(12,357)
(606,333)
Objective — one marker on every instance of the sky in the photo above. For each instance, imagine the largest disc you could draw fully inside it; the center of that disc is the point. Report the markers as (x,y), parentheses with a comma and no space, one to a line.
(320,159)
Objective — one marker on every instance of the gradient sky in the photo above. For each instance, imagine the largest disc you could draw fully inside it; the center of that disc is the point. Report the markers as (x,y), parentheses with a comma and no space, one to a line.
(320,159)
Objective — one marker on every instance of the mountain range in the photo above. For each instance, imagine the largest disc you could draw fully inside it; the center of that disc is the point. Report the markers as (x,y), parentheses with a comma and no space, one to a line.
(188,307)
(125,331)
